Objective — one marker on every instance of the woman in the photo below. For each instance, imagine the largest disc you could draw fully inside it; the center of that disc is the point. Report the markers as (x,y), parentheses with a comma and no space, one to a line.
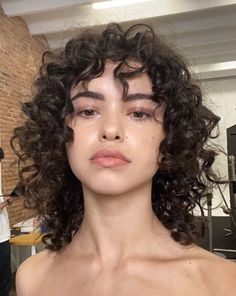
(116,138)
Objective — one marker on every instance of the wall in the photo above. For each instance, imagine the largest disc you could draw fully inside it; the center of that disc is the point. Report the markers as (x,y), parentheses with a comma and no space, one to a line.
(20,56)
(221,98)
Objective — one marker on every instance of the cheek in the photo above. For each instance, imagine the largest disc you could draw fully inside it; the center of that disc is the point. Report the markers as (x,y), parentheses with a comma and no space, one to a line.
(147,151)
(156,139)
(73,148)
(79,150)
(80,135)
(155,143)
(71,154)
(75,158)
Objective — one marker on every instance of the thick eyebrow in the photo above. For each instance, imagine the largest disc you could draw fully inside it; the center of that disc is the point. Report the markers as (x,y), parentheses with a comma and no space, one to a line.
(89,94)
(100,97)
(138,96)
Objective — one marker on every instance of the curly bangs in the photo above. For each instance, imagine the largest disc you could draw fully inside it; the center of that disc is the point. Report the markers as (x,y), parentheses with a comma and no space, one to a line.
(185,169)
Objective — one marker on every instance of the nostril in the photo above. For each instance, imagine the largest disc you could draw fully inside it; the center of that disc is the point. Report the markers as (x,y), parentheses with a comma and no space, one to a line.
(110,137)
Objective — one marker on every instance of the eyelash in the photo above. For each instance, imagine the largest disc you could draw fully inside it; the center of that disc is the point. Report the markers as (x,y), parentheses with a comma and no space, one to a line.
(85,110)
(140,111)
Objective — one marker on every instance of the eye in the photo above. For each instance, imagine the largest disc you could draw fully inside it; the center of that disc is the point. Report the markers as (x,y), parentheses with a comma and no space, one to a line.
(140,115)
(86,112)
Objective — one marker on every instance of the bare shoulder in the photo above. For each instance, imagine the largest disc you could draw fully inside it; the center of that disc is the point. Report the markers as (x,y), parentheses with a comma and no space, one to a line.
(33,268)
(216,271)
(225,268)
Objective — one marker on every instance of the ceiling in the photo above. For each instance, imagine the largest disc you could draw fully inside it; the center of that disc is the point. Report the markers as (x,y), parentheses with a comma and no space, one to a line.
(203,30)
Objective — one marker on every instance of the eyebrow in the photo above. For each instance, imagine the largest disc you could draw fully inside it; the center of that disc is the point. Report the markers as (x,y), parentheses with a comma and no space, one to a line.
(138,96)
(89,94)
(100,97)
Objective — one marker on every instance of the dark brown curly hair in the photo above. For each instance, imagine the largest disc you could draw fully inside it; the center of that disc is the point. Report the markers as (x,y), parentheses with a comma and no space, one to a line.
(185,169)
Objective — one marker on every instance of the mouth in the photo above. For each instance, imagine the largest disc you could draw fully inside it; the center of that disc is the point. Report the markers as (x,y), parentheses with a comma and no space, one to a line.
(109,158)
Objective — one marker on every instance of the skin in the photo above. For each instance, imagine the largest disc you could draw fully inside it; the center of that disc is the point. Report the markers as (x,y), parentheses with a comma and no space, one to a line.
(121,247)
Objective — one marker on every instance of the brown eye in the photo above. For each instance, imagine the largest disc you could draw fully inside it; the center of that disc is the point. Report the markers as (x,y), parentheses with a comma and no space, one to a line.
(87,113)
(140,115)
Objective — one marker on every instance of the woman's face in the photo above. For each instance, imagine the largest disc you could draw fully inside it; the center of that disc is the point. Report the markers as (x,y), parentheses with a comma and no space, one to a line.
(116,140)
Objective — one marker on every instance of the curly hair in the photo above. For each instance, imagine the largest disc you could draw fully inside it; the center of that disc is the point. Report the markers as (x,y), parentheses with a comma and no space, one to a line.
(185,170)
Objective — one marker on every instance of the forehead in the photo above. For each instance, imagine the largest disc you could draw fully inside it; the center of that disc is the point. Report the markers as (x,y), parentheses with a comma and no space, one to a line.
(139,83)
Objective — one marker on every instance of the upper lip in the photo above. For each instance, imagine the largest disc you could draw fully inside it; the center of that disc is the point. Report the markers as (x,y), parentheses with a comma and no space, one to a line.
(109,153)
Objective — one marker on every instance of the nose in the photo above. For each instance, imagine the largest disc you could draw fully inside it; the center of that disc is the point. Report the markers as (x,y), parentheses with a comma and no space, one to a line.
(111,129)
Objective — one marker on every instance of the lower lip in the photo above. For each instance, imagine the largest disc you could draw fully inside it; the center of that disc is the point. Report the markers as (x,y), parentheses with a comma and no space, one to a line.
(109,162)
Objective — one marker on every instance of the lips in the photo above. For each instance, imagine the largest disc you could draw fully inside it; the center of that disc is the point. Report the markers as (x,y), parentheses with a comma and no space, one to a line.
(109,158)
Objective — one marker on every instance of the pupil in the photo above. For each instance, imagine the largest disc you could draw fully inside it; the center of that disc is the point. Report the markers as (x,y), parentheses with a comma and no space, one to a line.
(139,114)
(89,112)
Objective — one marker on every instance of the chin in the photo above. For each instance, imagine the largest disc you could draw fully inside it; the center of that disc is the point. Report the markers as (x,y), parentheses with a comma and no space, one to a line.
(119,189)
(108,191)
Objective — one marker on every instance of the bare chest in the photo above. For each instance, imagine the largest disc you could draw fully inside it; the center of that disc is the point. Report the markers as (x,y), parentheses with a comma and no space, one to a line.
(76,282)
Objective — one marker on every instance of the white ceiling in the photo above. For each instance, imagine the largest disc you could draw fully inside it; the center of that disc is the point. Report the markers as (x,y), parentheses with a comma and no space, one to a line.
(204,30)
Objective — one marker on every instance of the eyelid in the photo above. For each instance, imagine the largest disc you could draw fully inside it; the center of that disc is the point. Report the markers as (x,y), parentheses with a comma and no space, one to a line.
(85,106)
(78,108)
(142,109)
(147,114)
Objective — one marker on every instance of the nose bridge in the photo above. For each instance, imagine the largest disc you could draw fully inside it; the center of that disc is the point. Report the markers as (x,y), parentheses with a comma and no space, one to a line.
(112,117)
(111,125)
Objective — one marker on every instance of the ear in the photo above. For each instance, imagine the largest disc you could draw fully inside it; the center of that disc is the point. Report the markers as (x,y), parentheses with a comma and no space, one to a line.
(159,158)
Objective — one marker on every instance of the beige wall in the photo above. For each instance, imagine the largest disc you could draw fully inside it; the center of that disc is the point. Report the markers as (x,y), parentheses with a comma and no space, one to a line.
(20,56)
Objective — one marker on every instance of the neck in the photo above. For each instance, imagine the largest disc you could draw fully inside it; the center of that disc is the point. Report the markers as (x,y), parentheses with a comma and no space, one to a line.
(119,227)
